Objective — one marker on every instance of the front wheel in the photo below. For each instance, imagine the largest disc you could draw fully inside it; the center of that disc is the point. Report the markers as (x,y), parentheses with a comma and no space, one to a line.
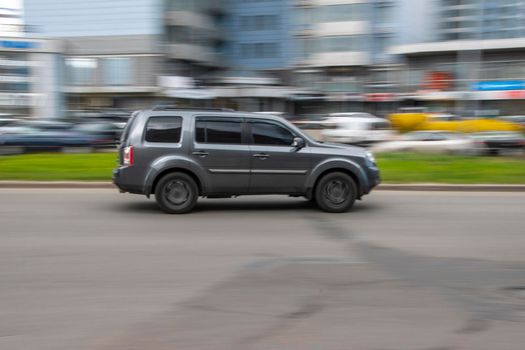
(335,193)
(176,193)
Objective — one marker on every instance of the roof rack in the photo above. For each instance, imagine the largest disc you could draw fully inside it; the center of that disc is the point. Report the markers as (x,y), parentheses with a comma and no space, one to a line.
(175,108)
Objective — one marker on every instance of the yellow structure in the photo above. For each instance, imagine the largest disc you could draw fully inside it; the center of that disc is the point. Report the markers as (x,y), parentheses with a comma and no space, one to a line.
(405,122)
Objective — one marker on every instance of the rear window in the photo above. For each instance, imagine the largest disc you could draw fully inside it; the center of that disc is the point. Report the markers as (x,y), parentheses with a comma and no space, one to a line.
(218,131)
(164,129)
(127,128)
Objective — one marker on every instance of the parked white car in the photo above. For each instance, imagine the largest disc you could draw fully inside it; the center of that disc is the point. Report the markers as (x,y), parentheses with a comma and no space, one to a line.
(356,130)
(517,119)
(351,115)
(430,142)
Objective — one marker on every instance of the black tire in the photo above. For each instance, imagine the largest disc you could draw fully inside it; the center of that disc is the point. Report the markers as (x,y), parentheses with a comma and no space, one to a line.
(335,193)
(176,193)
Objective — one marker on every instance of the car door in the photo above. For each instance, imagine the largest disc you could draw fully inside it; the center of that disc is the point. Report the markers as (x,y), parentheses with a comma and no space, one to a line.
(222,154)
(276,165)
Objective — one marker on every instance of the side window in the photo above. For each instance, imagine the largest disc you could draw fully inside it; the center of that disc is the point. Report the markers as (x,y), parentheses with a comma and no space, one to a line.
(218,131)
(271,134)
(164,129)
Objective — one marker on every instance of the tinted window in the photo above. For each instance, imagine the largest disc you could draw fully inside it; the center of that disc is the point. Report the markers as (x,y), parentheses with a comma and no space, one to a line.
(271,134)
(164,129)
(218,131)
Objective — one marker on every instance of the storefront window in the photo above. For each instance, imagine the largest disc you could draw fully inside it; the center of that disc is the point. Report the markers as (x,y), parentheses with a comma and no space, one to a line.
(117,71)
(81,71)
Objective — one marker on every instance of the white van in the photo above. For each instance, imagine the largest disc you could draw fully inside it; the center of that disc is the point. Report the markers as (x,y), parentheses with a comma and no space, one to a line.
(356,130)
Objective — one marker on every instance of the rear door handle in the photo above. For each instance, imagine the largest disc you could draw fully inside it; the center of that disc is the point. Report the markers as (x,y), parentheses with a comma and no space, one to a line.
(201,154)
(261,156)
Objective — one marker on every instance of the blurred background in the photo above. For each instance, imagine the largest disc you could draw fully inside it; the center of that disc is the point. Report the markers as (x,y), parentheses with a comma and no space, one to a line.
(436,88)
(416,64)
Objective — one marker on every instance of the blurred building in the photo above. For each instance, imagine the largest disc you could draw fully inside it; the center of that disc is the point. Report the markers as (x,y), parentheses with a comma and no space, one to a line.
(30,83)
(480,19)
(11,22)
(260,34)
(476,63)
(134,53)
(28,69)
(344,56)
(194,37)
(300,56)
(111,48)
(259,55)
(333,52)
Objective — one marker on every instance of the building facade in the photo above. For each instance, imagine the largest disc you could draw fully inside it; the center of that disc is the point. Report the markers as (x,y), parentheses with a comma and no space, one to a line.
(300,56)
(134,53)
(480,19)
(30,82)
(344,51)
(475,65)
(194,46)
(334,50)
(260,33)
(111,50)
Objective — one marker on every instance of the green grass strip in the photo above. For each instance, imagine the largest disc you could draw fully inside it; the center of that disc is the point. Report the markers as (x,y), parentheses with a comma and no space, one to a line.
(395,168)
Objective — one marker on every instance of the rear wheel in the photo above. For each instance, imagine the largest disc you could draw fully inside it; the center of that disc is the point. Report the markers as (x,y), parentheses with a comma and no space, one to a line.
(176,193)
(335,192)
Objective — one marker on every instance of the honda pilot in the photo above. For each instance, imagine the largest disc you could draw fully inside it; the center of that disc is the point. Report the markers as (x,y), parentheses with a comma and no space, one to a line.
(181,154)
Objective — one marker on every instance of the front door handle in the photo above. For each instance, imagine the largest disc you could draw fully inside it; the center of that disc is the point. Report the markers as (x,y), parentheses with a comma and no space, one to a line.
(261,156)
(201,154)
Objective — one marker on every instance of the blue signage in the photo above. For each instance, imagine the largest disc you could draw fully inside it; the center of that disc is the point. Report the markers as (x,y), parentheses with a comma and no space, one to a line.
(499,85)
(13,44)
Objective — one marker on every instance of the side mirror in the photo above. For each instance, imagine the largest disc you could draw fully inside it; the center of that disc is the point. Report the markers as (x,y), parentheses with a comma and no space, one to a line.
(298,143)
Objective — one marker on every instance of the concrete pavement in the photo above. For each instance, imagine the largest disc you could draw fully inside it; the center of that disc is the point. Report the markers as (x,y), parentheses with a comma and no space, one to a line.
(94,269)
(382,187)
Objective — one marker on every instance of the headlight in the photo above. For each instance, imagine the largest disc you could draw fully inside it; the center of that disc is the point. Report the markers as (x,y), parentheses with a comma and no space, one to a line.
(370,157)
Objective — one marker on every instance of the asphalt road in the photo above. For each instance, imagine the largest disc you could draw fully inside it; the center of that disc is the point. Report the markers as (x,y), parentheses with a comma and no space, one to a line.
(95,269)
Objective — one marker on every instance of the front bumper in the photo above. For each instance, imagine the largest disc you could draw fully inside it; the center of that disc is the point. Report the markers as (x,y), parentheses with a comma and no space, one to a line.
(374,178)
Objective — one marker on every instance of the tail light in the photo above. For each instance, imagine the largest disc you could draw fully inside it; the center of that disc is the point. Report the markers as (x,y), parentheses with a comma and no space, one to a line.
(128,156)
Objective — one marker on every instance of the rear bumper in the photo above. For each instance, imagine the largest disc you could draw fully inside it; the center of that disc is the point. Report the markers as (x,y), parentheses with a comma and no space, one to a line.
(121,179)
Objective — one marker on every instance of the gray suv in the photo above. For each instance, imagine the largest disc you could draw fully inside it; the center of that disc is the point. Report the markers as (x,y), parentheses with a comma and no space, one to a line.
(179,154)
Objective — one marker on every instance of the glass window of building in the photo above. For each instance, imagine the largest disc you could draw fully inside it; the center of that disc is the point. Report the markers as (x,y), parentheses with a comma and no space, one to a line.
(117,71)
(185,5)
(259,22)
(81,71)
(341,13)
(383,13)
(340,43)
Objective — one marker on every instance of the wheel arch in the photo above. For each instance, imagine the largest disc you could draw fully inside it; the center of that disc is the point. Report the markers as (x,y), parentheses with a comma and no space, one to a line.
(162,173)
(344,166)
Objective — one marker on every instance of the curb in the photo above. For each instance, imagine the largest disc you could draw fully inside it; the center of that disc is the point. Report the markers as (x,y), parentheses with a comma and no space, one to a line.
(383,187)
(452,187)
(57,184)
